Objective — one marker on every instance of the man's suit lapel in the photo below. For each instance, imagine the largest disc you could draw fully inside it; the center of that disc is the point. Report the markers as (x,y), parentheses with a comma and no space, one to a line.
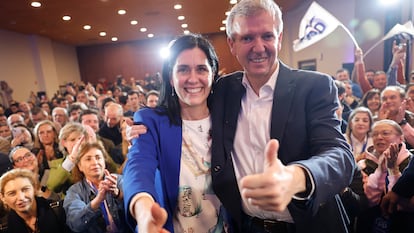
(224,127)
(282,102)
(232,110)
(234,91)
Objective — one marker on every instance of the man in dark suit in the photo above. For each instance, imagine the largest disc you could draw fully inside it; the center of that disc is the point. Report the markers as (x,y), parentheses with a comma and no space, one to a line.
(398,204)
(293,185)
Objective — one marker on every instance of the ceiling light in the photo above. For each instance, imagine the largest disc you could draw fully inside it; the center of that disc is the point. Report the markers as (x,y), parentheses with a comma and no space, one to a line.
(222,28)
(121,12)
(186,32)
(102,33)
(178,6)
(87,27)
(134,22)
(114,38)
(143,29)
(233,2)
(66,17)
(181,17)
(227,13)
(184,25)
(224,21)
(150,35)
(36,4)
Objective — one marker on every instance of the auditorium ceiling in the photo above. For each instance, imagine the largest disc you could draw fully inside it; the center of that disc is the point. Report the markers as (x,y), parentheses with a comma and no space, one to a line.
(103,21)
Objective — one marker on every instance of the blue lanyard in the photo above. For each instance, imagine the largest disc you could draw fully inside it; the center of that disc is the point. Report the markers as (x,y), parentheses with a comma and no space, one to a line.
(102,205)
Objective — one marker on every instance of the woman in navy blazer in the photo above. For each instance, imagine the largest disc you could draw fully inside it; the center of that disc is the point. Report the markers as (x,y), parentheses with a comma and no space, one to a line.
(165,167)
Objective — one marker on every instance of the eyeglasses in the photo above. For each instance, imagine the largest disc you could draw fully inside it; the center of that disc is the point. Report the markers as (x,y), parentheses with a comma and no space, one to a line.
(25,157)
(384,134)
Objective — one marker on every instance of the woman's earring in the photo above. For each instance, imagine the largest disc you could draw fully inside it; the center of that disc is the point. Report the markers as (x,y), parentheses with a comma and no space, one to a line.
(172,92)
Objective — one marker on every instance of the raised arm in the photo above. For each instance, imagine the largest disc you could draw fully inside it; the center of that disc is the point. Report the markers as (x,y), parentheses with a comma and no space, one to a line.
(395,73)
(360,71)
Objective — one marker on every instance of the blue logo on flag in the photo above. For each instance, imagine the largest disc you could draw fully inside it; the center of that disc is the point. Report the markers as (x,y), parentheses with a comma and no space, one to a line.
(313,28)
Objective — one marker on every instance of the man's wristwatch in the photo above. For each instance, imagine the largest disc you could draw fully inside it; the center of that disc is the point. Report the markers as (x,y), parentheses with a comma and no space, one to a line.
(403,122)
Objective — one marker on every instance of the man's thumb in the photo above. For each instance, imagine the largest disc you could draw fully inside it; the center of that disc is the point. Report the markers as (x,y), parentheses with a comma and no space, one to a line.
(271,151)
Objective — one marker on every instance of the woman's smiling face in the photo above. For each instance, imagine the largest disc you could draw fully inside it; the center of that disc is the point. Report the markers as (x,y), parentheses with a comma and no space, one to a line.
(192,78)
(19,194)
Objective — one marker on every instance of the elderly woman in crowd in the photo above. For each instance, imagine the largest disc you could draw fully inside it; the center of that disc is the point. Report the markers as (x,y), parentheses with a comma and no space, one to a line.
(381,168)
(386,159)
(71,137)
(95,202)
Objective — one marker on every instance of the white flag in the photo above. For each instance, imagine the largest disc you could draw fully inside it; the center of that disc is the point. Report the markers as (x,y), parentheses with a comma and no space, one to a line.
(407,29)
(316,24)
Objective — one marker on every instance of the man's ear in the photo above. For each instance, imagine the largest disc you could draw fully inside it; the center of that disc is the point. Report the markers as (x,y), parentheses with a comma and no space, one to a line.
(230,42)
(280,41)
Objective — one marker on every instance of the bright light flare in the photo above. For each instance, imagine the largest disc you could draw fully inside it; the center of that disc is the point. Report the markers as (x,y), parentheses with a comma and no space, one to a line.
(164,53)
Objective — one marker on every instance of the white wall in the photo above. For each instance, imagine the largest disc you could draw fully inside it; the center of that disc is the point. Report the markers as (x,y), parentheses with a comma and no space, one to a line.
(330,52)
(66,61)
(33,63)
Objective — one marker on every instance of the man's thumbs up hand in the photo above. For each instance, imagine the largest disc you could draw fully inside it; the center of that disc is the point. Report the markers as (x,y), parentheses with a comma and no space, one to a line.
(273,189)
(271,160)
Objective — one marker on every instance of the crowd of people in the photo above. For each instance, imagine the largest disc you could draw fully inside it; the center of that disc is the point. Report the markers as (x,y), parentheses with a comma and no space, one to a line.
(47,138)
(376,113)
(268,149)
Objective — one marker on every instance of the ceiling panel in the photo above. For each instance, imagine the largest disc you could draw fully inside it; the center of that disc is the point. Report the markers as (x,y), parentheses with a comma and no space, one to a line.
(202,16)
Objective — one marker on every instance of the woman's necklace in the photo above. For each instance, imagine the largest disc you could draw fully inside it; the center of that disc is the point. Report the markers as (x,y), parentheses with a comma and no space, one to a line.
(196,161)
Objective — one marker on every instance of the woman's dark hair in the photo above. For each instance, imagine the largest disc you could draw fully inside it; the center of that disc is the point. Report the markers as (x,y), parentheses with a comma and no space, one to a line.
(107,100)
(48,103)
(168,99)
(369,95)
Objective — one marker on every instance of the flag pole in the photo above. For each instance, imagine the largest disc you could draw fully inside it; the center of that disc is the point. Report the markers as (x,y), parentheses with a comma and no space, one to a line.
(370,49)
(350,35)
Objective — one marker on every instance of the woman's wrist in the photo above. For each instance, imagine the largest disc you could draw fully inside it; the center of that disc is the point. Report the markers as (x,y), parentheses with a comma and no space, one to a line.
(73,158)
(139,202)
(96,203)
